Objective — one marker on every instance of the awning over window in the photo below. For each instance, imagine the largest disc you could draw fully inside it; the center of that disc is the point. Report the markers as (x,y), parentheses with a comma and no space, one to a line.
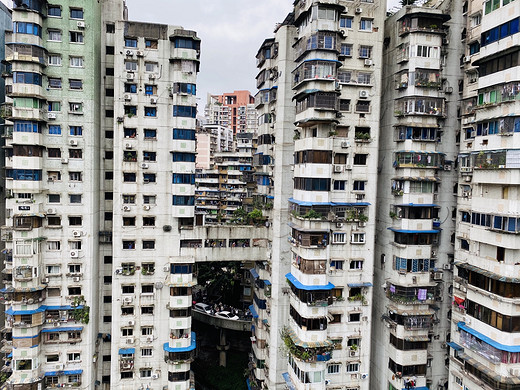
(301,286)
(493,343)
(484,272)
(362,284)
(253,311)
(254,273)
(126,351)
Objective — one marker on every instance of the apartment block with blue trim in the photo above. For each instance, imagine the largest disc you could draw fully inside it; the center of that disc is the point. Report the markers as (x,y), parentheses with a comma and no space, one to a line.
(485,347)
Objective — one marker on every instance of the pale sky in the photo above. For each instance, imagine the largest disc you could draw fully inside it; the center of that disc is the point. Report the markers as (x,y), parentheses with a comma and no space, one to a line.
(231,32)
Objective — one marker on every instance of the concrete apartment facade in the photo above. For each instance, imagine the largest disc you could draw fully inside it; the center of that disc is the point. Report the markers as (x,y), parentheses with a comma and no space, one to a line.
(485,321)
(233,109)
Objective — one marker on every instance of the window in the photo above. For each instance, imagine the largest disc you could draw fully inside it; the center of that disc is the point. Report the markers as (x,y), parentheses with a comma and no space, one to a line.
(74,357)
(54,152)
(76,108)
(75,84)
(76,153)
(54,106)
(53,221)
(126,332)
(131,110)
(346,21)
(128,221)
(150,89)
(150,66)
(339,238)
(365,51)
(129,177)
(357,238)
(149,178)
(326,13)
(130,133)
(52,358)
(27,28)
(339,185)
(185,111)
(75,268)
(148,221)
(346,49)
(359,185)
(75,221)
(148,244)
(365,24)
(360,159)
(131,66)
(127,375)
(53,246)
(54,35)
(149,199)
(76,130)
(146,330)
(131,42)
(54,10)
(110,28)
(54,82)
(76,62)
(364,78)
(128,244)
(146,352)
(75,198)
(145,373)
(150,111)
(150,43)
(146,309)
(184,134)
(76,37)
(149,156)
(353,367)
(333,368)
(130,88)
(129,199)
(110,50)
(53,198)
(150,133)
(27,78)
(76,13)
(54,60)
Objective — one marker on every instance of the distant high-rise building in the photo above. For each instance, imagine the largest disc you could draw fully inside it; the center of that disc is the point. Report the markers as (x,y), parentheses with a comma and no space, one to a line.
(235,110)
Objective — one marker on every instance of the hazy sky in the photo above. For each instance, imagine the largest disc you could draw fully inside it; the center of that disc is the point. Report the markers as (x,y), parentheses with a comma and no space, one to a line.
(231,32)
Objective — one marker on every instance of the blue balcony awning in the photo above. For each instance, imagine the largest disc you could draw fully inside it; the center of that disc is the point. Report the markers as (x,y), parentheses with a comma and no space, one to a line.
(189,348)
(434,231)
(349,204)
(363,284)
(267,282)
(66,372)
(126,351)
(253,311)
(269,196)
(254,273)
(418,388)
(455,346)
(65,307)
(12,312)
(64,329)
(487,340)
(301,286)
(288,381)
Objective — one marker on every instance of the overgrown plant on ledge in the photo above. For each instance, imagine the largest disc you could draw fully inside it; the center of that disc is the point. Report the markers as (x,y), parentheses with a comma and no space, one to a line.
(312,214)
(80,314)
(358,297)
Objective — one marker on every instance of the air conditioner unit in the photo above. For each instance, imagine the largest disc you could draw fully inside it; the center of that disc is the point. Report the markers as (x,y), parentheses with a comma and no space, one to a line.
(364,375)
(127,97)
(444,345)
(76,233)
(74,254)
(447,167)
(437,276)
(128,145)
(152,76)
(45,280)
(130,340)
(467,178)
(338,168)
(155,376)
(465,194)
(144,165)
(51,211)
(153,100)
(363,94)
(327,381)
(59,367)
(140,53)
(514,371)
(76,279)
(126,208)
(131,323)
(120,119)
(129,53)
(368,62)
(119,271)
(130,76)
(343,33)
(434,253)
(339,224)
(359,10)
(345,144)
(467,59)
(146,207)
(149,339)
(127,300)
(51,115)
(81,24)
(73,142)
(447,266)
(348,167)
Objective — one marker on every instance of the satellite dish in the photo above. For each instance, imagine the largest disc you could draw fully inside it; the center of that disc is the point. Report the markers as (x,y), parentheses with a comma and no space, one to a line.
(158,285)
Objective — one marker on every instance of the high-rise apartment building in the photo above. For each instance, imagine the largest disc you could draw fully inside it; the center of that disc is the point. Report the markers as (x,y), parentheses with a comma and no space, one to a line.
(318,102)
(101,170)
(484,347)
(234,109)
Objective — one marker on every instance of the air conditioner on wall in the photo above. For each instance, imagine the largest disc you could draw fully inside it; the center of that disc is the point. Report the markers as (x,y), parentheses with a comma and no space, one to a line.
(363,94)
(140,53)
(74,254)
(81,24)
(129,53)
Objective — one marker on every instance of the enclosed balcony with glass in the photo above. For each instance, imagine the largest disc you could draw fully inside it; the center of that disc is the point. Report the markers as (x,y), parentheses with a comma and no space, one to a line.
(420,21)
(419,105)
(321,40)
(315,69)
